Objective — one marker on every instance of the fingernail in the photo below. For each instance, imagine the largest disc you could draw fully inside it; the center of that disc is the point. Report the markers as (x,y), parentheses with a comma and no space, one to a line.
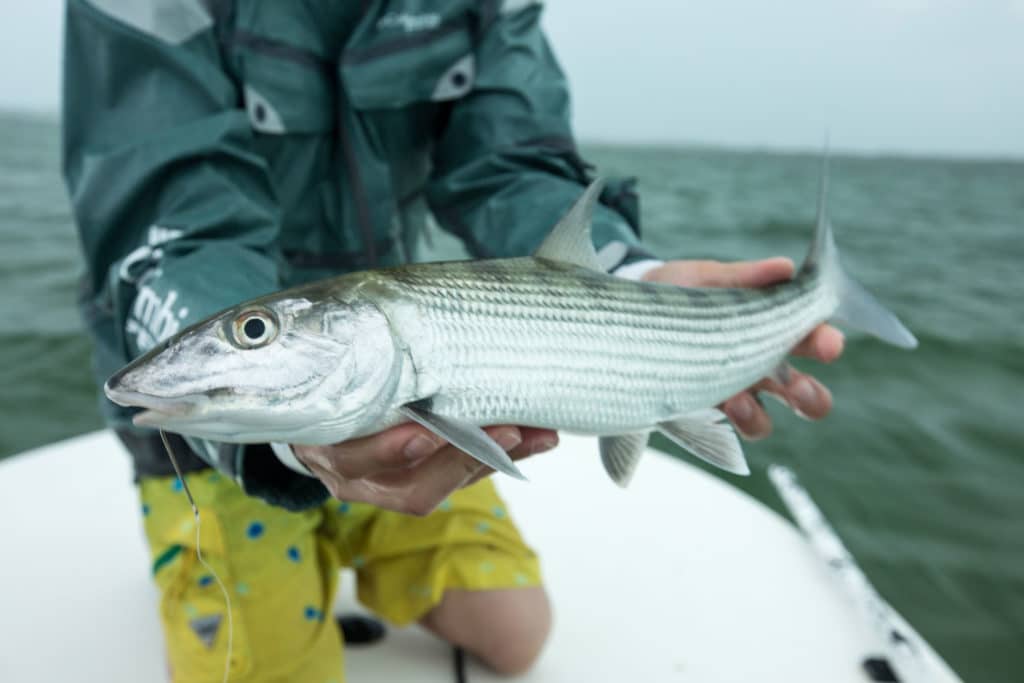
(420,447)
(508,439)
(743,409)
(842,343)
(804,392)
(544,444)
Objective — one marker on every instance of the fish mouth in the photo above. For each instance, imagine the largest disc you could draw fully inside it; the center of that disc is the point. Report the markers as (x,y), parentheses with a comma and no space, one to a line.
(157,410)
(161,417)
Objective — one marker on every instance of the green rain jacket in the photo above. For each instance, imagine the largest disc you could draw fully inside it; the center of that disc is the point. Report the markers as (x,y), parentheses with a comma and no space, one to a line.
(216,151)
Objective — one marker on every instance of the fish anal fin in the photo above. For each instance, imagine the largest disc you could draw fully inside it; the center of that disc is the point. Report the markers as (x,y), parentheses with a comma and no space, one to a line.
(465,436)
(708,435)
(620,455)
(569,241)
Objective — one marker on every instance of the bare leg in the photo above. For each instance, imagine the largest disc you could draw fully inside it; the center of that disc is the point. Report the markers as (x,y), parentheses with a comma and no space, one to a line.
(504,628)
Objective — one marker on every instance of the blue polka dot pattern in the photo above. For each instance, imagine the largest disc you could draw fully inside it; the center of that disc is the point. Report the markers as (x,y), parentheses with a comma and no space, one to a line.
(293,554)
(255,530)
(343,507)
(205,580)
(313,614)
(145,510)
(176,485)
(499,512)
(483,527)
(420,591)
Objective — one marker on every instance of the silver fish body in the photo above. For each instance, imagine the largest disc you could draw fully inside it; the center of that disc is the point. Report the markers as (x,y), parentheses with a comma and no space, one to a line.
(547,341)
(536,342)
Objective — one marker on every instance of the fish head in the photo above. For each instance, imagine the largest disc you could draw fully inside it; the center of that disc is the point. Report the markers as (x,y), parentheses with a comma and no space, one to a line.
(286,369)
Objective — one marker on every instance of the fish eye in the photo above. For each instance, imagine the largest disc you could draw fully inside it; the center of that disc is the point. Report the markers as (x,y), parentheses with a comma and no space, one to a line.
(254,328)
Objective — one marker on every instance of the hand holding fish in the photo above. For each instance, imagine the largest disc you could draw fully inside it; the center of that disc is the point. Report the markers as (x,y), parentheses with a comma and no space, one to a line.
(408,468)
(804,394)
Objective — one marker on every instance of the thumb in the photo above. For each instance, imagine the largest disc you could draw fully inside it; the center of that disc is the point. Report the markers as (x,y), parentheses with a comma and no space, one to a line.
(717,274)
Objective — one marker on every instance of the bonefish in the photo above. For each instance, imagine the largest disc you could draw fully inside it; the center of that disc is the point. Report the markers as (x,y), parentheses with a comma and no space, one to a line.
(549,340)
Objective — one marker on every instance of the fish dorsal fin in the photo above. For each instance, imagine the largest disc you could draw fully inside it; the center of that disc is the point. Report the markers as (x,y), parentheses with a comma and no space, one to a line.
(569,241)
(823,248)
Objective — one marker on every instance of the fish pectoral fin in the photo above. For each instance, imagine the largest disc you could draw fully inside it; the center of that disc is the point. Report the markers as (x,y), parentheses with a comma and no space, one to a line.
(569,241)
(465,436)
(620,455)
(710,437)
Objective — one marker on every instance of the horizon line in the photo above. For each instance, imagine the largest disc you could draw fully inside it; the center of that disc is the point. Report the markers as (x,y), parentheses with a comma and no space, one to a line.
(783,149)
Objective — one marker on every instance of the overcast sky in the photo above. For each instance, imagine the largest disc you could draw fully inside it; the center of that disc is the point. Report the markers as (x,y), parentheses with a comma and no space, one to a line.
(920,76)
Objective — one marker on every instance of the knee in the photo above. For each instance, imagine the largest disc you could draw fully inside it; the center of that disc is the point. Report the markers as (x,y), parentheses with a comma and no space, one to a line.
(512,638)
(506,629)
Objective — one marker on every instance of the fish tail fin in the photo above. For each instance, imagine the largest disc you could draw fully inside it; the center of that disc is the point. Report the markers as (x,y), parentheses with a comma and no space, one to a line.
(858,308)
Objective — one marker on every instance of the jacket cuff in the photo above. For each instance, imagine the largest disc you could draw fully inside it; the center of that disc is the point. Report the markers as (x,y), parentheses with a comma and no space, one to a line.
(637,269)
(257,470)
(264,476)
(287,457)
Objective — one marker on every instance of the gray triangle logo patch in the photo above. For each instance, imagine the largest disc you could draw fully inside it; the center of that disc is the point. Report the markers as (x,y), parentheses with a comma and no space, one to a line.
(206,628)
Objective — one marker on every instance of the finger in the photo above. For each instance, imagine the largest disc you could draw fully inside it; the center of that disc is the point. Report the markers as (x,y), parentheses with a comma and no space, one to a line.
(354,490)
(718,274)
(393,448)
(824,343)
(416,489)
(419,488)
(508,437)
(806,396)
(748,416)
(534,441)
(512,441)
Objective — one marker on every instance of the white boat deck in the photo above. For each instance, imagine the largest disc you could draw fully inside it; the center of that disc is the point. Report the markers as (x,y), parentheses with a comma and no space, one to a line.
(678,578)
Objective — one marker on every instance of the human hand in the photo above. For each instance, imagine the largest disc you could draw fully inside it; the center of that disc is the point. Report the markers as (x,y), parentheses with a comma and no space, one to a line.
(408,468)
(804,394)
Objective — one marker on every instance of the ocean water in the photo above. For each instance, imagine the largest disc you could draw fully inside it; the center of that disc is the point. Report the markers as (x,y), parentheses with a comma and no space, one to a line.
(921,465)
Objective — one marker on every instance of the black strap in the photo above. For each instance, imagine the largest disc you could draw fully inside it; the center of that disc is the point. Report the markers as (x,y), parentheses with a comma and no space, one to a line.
(460,665)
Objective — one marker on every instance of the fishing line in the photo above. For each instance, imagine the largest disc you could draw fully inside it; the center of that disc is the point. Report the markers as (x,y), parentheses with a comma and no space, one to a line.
(199,555)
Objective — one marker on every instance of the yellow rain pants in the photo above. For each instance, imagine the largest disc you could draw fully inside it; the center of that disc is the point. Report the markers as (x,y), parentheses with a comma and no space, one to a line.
(281,569)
